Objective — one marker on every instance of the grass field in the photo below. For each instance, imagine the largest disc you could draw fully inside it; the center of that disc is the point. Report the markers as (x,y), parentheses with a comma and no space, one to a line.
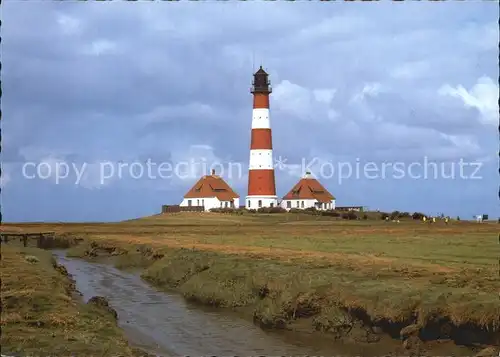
(291,267)
(40,315)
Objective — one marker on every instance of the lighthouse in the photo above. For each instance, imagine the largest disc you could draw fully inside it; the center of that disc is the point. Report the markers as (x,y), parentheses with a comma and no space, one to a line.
(261,181)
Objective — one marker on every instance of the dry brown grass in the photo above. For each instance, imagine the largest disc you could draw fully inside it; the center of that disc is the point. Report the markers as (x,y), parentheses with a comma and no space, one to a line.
(387,269)
(435,247)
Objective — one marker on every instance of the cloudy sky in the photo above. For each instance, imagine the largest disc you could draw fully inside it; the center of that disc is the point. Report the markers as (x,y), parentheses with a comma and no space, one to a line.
(366,96)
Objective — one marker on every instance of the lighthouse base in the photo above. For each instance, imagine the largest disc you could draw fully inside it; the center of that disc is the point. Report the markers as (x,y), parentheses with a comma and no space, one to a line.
(256,202)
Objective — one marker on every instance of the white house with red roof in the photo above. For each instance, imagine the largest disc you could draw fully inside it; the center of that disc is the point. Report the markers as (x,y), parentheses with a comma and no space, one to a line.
(211,191)
(308,193)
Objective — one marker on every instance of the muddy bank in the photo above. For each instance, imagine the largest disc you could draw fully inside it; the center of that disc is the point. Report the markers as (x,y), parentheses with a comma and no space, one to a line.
(42,313)
(276,295)
(165,324)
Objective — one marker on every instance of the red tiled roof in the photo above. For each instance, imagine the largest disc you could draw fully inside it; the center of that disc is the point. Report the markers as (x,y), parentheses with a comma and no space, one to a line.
(212,186)
(309,188)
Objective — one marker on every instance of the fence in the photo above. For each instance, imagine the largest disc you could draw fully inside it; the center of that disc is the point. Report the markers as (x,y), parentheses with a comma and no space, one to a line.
(350,208)
(177,208)
(44,239)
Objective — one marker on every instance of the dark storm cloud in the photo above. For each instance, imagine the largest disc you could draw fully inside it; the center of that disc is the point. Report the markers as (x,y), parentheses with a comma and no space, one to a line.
(90,82)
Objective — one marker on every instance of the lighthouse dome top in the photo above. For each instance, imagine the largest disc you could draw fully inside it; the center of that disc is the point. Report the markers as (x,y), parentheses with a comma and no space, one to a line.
(261,83)
(261,71)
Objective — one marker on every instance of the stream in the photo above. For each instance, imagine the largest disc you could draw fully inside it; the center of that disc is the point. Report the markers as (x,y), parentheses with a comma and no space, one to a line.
(164,324)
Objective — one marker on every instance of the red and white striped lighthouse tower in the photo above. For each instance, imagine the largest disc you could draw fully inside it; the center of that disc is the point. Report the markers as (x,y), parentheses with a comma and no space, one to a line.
(261,182)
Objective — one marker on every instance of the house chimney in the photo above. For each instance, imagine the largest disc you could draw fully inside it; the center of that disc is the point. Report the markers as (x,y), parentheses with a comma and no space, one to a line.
(213,172)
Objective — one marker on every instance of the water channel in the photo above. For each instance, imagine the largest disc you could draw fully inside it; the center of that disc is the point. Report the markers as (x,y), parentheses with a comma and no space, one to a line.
(165,324)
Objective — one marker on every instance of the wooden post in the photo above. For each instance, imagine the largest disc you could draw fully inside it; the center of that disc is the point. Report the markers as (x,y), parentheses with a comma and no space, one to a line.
(40,241)
(49,242)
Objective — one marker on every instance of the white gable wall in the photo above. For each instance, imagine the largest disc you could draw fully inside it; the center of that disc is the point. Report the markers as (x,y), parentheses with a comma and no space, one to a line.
(306,203)
(209,203)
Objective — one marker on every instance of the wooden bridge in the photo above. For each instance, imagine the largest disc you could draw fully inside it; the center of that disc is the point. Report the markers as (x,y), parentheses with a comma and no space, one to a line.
(44,239)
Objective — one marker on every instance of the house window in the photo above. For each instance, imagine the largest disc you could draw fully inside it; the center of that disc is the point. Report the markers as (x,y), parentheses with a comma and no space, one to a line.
(221,204)
(248,203)
(302,204)
(260,203)
(226,204)
(272,204)
(189,203)
(288,204)
(203,202)
(298,204)
(232,204)
(197,202)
